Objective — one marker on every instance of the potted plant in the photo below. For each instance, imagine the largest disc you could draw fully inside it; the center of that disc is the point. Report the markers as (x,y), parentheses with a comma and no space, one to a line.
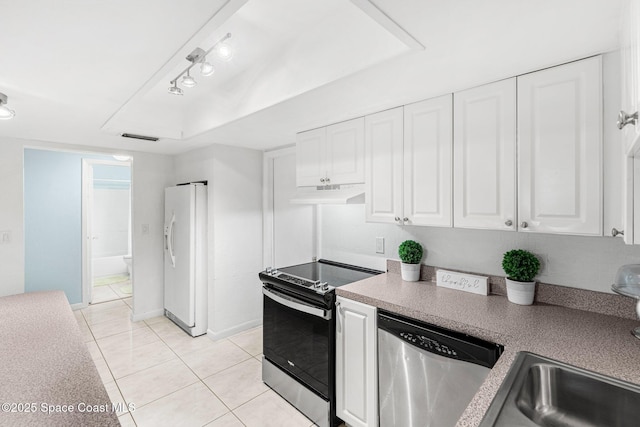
(410,253)
(521,268)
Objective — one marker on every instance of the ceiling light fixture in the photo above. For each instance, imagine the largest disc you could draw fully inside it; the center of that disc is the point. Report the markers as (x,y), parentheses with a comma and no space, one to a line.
(199,56)
(6,113)
(188,81)
(206,69)
(225,52)
(175,90)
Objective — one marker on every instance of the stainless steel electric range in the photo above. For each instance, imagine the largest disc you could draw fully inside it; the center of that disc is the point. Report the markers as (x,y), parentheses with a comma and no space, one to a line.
(299,334)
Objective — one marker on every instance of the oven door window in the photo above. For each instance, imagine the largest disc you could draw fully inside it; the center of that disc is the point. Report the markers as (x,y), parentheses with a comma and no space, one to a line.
(298,343)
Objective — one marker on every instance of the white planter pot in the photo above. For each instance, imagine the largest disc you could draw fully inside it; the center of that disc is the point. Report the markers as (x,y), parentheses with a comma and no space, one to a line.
(520,292)
(410,272)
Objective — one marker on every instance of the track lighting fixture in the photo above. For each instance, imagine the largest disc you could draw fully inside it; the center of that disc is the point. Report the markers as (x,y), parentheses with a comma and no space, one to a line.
(199,56)
(6,113)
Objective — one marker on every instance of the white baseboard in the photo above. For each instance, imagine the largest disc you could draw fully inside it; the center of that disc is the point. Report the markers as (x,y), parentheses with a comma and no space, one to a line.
(78,306)
(234,330)
(147,315)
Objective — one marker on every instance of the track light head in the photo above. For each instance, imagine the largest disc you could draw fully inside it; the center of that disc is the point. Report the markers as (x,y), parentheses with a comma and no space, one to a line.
(6,113)
(225,52)
(188,81)
(175,90)
(206,69)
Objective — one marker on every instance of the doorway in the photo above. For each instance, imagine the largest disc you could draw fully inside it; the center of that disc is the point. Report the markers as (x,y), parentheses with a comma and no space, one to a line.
(106,207)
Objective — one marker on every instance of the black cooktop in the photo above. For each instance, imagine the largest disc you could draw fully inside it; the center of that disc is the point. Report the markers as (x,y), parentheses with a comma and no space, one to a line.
(333,273)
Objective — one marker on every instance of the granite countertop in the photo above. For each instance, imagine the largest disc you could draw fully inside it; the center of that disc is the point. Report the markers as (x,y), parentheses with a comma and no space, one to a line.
(47,376)
(598,342)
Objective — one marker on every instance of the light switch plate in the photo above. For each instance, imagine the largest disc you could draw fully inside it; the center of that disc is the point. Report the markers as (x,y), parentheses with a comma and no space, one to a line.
(145,228)
(379,245)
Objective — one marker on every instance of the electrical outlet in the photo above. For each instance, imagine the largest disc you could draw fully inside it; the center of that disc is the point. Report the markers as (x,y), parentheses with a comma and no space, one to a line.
(145,228)
(379,245)
(5,237)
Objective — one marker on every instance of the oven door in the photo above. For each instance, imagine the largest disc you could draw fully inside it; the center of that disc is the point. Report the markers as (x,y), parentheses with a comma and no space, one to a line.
(299,338)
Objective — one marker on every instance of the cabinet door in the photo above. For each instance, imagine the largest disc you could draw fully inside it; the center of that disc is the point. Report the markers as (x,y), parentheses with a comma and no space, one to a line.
(560,149)
(310,157)
(345,152)
(484,152)
(630,52)
(383,166)
(427,162)
(356,364)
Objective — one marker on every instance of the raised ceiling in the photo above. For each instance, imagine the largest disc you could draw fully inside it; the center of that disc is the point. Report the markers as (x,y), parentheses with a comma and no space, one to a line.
(84,71)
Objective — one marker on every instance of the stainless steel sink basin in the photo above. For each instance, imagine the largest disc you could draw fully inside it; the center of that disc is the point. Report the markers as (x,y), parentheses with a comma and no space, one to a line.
(539,391)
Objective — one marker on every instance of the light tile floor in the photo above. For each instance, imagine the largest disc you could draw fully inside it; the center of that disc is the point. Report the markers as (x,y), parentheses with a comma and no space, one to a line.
(175,380)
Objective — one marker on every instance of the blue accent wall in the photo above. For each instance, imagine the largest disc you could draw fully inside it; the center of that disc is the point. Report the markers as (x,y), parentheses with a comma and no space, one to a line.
(53,221)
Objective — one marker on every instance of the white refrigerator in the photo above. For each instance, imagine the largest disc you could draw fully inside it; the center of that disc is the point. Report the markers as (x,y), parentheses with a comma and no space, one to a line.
(185,257)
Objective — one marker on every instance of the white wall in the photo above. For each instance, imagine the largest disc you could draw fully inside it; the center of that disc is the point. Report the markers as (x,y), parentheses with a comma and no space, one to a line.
(11,217)
(151,174)
(234,233)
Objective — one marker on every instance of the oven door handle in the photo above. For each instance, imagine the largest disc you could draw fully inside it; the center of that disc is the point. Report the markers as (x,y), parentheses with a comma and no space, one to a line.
(296,305)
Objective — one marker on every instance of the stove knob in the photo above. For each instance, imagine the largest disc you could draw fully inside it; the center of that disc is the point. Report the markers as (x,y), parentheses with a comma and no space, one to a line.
(274,272)
(268,270)
(325,286)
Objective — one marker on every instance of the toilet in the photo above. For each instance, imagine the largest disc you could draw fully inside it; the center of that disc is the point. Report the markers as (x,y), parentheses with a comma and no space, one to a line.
(127,260)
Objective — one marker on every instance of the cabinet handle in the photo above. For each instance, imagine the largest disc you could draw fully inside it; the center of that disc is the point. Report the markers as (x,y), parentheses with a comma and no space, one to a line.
(615,232)
(508,223)
(405,219)
(397,219)
(321,179)
(625,119)
(524,224)
(327,180)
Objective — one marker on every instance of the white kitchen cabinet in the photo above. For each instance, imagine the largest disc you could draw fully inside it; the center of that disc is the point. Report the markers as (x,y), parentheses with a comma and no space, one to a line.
(484,147)
(560,149)
(630,52)
(408,164)
(383,166)
(331,155)
(427,163)
(356,363)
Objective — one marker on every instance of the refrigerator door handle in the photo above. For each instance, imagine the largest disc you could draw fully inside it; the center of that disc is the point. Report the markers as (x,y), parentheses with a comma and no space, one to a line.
(168,240)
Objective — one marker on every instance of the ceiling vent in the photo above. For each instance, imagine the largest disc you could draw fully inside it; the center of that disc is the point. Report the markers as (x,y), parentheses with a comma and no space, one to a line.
(142,137)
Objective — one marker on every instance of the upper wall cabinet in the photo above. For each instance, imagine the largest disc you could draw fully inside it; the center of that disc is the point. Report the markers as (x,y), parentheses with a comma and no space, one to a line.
(331,155)
(484,156)
(427,162)
(408,164)
(383,166)
(560,149)
(630,51)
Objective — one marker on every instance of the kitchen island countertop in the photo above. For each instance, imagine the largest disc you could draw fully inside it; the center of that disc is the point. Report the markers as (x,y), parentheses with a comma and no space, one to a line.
(593,341)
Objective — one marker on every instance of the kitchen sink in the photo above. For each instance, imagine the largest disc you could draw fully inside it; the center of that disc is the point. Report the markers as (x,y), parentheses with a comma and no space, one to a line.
(538,391)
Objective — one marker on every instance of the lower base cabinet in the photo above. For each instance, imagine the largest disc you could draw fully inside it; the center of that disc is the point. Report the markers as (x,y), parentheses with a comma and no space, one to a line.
(356,363)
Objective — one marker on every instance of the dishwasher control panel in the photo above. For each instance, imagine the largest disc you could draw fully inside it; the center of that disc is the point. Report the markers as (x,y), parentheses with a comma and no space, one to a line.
(427,343)
(440,341)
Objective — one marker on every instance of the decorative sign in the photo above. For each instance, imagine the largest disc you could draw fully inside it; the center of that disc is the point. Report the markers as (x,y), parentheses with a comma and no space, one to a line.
(462,282)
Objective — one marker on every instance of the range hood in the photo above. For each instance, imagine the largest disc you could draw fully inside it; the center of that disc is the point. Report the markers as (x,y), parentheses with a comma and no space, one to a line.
(329,195)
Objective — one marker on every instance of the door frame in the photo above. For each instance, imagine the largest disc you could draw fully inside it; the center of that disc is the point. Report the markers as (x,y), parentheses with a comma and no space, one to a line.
(87,215)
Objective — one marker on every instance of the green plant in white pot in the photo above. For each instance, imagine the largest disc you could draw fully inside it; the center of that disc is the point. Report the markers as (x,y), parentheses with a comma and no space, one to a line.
(410,253)
(521,268)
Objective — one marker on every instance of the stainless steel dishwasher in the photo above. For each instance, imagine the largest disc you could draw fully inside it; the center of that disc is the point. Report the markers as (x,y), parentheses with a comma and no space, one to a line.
(428,375)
